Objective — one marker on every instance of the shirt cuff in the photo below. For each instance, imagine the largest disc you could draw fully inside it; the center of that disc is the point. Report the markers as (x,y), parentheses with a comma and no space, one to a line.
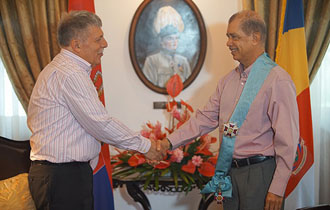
(278,185)
(144,145)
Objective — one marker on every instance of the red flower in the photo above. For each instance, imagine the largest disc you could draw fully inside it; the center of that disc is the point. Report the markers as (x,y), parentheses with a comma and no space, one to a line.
(174,85)
(213,160)
(145,133)
(162,165)
(117,163)
(187,105)
(170,105)
(204,152)
(158,131)
(153,132)
(169,130)
(197,160)
(176,155)
(176,113)
(184,118)
(136,159)
(189,167)
(207,169)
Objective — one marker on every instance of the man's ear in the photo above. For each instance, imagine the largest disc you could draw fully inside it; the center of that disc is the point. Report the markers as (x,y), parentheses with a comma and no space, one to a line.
(256,37)
(75,45)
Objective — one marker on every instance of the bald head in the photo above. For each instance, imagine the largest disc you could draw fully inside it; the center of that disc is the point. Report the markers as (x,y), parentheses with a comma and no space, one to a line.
(251,22)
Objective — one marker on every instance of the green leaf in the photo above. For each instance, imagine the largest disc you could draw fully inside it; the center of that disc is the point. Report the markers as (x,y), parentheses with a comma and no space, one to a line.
(146,183)
(148,173)
(175,178)
(165,171)
(156,181)
(121,172)
(190,178)
(184,177)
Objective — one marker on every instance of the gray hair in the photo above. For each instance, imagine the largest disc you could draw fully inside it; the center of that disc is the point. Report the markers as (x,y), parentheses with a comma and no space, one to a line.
(74,25)
(251,22)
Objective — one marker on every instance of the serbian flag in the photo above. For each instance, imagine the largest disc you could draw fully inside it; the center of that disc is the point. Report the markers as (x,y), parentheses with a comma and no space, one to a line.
(102,180)
(291,55)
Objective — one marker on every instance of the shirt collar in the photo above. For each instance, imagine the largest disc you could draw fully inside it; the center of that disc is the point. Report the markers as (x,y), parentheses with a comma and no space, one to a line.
(240,69)
(80,61)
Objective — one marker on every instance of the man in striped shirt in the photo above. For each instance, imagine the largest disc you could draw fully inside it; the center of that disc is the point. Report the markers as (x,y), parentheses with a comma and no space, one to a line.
(68,121)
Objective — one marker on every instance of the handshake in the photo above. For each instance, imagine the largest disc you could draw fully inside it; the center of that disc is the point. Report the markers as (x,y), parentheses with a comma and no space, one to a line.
(158,150)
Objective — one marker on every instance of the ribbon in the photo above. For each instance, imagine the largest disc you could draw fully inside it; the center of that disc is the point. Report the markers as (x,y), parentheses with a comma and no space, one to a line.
(220,183)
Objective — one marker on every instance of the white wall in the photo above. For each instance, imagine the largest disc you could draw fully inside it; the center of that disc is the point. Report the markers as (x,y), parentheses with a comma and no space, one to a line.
(128,99)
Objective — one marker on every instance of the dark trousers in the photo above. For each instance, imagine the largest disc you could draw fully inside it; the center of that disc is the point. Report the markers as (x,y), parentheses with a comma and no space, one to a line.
(66,186)
(250,186)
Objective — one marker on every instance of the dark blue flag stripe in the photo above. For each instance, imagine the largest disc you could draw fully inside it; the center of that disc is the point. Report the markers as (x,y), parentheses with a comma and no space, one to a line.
(103,196)
(294,15)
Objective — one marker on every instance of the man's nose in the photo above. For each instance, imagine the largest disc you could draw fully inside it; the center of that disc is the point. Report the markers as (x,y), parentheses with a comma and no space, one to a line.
(105,44)
(228,42)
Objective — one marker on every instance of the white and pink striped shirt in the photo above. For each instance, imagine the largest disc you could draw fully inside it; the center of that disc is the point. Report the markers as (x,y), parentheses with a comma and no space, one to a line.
(67,119)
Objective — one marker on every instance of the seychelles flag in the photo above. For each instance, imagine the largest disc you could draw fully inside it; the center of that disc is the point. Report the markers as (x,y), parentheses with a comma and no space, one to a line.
(102,180)
(291,55)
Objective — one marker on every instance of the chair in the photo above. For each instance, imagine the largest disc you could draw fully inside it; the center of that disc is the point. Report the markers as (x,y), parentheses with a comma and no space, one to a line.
(14,167)
(318,207)
(14,157)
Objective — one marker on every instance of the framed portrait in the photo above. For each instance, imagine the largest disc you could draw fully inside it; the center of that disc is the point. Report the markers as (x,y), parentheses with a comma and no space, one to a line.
(167,37)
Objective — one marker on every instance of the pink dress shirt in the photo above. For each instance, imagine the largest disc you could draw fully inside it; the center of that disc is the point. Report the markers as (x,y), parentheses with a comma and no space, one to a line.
(67,119)
(271,127)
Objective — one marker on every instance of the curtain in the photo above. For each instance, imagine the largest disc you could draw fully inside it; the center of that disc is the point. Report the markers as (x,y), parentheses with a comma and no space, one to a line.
(317,27)
(28,40)
(12,116)
(321,119)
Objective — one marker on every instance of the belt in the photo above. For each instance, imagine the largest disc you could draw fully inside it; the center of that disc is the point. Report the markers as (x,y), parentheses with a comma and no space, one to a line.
(237,163)
(45,162)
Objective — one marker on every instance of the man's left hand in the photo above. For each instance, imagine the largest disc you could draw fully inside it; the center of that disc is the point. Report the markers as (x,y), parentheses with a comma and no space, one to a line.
(273,202)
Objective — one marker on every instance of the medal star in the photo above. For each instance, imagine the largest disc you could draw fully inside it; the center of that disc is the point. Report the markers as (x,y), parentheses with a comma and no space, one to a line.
(230,129)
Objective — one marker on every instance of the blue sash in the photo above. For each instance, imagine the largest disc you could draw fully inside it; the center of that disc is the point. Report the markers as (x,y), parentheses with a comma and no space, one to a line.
(221,182)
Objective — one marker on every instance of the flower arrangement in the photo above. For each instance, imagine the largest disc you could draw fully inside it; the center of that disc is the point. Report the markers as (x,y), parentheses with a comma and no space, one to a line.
(193,164)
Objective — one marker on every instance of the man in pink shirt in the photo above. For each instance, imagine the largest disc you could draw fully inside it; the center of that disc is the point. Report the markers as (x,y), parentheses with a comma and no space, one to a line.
(264,148)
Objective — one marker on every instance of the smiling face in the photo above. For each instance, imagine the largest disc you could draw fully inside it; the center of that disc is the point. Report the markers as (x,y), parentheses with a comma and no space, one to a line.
(241,45)
(91,47)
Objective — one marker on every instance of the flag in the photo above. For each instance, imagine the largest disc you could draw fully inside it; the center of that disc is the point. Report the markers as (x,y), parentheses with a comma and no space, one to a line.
(102,180)
(291,55)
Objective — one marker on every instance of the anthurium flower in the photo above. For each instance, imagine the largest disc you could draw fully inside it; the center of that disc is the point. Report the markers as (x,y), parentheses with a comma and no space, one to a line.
(197,160)
(213,160)
(136,159)
(162,165)
(206,169)
(174,85)
(189,167)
